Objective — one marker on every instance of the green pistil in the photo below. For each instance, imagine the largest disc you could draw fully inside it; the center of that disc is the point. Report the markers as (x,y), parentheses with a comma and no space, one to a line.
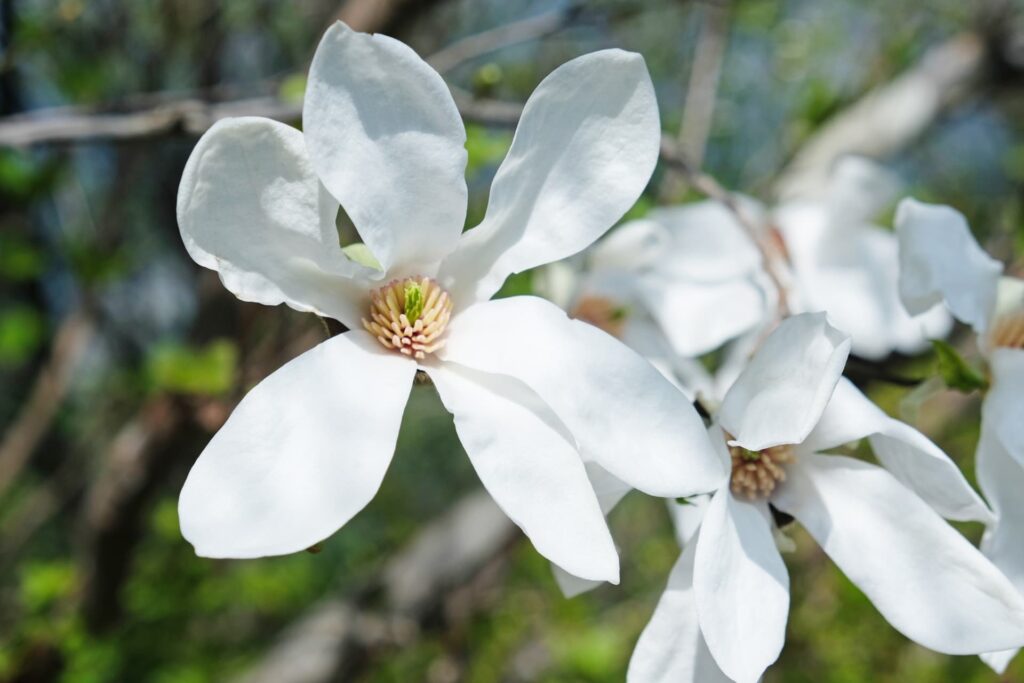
(413,301)
(749,456)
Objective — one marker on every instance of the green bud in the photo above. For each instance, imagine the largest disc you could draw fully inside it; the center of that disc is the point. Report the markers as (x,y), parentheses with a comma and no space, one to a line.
(413,301)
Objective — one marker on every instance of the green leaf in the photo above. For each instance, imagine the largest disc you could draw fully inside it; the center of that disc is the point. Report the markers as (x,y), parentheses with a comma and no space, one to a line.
(956,372)
(209,370)
(21,332)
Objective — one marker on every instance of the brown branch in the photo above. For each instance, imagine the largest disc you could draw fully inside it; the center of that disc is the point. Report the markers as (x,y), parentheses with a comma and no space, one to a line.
(45,398)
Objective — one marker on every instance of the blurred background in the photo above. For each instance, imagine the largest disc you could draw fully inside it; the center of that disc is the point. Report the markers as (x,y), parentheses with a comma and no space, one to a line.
(119,357)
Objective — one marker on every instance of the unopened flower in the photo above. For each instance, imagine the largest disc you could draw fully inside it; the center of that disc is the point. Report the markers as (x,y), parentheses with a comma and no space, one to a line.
(941,261)
(534,395)
(723,615)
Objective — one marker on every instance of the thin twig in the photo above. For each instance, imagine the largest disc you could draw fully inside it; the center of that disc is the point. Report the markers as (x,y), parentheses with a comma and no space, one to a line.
(45,397)
(524,30)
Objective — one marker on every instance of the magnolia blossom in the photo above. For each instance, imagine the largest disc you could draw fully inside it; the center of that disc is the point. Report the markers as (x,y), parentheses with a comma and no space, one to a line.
(723,615)
(535,396)
(941,261)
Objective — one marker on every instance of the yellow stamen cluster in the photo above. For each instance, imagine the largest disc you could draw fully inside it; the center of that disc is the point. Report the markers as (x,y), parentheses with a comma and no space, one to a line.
(602,313)
(1008,331)
(409,316)
(755,474)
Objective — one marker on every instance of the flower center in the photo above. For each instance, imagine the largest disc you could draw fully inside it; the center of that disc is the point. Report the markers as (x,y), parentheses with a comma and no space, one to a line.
(755,474)
(602,313)
(409,316)
(1008,331)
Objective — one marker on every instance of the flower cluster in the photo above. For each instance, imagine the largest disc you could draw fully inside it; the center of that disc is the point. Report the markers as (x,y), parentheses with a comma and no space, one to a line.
(562,412)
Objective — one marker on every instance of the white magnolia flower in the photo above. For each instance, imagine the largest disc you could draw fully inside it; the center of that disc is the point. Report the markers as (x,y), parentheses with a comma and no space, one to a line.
(941,261)
(723,615)
(534,395)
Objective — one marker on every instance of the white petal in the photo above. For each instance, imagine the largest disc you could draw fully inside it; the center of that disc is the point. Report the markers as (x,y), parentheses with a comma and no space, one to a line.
(1001,478)
(941,260)
(907,453)
(781,394)
(741,587)
(623,414)
(530,466)
(388,142)
(303,452)
(609,492)
(859,189)
(585,148)
(631,246)
(251,208)
(925,578)
(699,317)
(671,648)
(708,243)
(1004,405)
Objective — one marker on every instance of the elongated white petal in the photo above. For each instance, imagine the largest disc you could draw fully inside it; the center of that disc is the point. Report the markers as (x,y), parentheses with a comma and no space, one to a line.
(1004,405)
(859,189)
(907,453)
(623,414)
(741,587)
(303,452)
(585,148)
(632,246)
(609,492)
(671,648)
(781,394)
(940,260)
(386,139)
(925,578)
(251,208)
(529,464)
(708,243)
(699,317)
(1001,478)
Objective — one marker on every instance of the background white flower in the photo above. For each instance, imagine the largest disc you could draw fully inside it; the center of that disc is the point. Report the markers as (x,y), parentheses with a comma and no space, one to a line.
(941,262)
(534,395)
(728,596)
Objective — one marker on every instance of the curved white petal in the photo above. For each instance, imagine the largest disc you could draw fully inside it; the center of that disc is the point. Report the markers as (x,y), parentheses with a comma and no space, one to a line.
(609,492)
(671,648)
(698,317)
(632,246)
(1003,411)
(623,414)
(1001,478)
(741,587)
(251,208)
(925,578)
(530,465)
(386,139)
(303,452)
(708,243)
(859,189)
(907,453)
(585,148)
(781,394)
(941,260)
